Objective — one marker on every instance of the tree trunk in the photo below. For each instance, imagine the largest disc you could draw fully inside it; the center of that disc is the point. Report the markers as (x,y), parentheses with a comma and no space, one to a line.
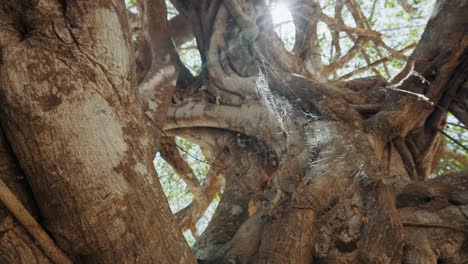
(314,172)
(70,113)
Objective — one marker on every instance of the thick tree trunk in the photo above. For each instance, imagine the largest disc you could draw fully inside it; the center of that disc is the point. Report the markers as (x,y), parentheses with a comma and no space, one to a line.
(313,172)
(70,113)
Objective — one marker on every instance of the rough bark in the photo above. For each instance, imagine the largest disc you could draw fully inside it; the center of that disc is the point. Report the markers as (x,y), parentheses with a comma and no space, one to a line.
(368,140)
(15,243)
(313,172)
(70,112)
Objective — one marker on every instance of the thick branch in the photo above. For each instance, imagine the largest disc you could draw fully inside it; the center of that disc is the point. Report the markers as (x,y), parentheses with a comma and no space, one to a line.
(307,45)
(241,170)
(30,224)
(248,118)
(166,69)
(78,134)
(178,27)
(433,64)
(15,242)
(179,30)
(315,97)
(459,104)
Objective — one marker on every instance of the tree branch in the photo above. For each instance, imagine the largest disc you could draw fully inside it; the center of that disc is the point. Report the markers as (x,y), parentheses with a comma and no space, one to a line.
(306,44)
(406,6)
(360,42)
(459,104)
(179,30)
(30,224)
(375,63)
(190,215)
(434,62)
(166,69)
(452,139)
(171,154)
(249,118)
(363,22)
(342,27)
(203,195)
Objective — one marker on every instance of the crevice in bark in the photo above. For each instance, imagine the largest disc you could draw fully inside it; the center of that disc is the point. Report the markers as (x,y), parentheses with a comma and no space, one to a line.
(63,5)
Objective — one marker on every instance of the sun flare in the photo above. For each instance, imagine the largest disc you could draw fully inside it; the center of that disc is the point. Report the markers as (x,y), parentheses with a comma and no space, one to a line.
(280,13)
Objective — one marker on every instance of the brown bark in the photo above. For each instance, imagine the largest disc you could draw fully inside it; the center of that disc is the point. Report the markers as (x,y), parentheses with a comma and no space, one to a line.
(22,215)
(178,27)
(16,245)
(341,165)
(305,16)
(314,172)
(71,114)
